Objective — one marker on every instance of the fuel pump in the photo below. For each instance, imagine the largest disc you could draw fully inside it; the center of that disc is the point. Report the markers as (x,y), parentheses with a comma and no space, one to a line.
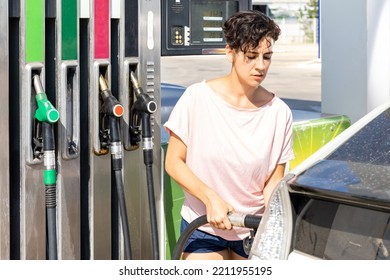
(47,115)
(112,111)
(140,122)
(137,24)
(95,160)
(27,198)
(62,82)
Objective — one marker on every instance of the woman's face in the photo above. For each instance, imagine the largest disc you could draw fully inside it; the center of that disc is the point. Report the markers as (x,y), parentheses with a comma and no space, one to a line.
(251,67)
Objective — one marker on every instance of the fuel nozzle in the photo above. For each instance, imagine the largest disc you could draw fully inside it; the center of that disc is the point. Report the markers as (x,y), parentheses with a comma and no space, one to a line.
(48,115)
(144,102)
(111,105)
(46,112)
(142,109)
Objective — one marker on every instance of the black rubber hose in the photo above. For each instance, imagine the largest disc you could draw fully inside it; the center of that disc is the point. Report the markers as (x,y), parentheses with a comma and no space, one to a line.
(116,161)
(123,213)
(50,190)
(51,213)
(178,250)
(114,129)
(143,108)
(153,212)
(48,137)
(146,125)
(248,221)
(148,161)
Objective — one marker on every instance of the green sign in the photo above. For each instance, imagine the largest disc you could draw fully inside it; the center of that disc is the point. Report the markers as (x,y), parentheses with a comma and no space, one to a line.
(35,30)
(69,29)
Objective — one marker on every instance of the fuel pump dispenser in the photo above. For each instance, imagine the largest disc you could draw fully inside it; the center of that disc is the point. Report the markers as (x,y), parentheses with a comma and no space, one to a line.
(27,197)
(65,47)
(139,53)
(63,79)
(96,171)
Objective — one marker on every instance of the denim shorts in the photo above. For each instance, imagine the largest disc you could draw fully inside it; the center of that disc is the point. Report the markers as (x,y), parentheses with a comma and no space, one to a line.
(202,242)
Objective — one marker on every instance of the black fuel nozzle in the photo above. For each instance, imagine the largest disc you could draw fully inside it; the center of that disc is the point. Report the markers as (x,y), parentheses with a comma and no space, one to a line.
(140,115)
(112,110)
(111,105)
(141,112)
(144,102)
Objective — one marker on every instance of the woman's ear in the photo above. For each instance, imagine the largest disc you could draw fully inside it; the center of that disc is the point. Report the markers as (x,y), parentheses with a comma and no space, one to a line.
(229,53)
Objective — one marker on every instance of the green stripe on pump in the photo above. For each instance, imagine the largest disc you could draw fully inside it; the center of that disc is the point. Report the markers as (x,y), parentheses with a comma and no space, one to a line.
(35,12)
(69,29)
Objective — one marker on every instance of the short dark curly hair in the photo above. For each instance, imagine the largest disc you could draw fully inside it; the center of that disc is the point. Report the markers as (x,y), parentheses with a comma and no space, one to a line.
(245,29)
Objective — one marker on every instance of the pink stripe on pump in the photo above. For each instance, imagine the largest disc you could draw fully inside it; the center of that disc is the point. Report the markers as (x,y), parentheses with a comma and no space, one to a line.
(101,28)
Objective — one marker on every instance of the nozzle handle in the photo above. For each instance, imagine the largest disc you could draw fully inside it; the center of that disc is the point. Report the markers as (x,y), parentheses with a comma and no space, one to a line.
(102,83)
(45,112)
(244,220)
(111,105)
(37,84)
(134,80)
(144,102)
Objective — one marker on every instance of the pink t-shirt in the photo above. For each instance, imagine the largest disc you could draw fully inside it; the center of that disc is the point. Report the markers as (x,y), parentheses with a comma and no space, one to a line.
(232,150)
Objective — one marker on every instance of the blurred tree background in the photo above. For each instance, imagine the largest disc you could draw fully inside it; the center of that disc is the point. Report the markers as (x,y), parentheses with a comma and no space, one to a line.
(308,19)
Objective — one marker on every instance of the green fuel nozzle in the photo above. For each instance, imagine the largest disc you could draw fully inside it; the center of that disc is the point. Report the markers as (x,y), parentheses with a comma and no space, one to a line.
(47,115)
(46,112)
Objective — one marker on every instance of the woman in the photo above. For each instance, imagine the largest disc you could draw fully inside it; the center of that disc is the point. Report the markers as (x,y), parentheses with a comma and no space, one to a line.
(230,140)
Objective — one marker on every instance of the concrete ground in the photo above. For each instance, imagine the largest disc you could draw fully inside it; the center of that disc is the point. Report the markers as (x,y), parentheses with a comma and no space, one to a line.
(295,72)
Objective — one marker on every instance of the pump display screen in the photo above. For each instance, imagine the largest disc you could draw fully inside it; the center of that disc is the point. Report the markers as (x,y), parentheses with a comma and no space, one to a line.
(196,26)
(207,19)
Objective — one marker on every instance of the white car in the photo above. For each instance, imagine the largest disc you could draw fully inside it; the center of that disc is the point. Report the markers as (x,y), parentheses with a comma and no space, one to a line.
(336,204)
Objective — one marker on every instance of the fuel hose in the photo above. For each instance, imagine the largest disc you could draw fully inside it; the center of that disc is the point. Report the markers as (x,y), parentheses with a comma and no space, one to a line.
(143,107)
(236,219)
(48,115)
(114,110)
(50,188)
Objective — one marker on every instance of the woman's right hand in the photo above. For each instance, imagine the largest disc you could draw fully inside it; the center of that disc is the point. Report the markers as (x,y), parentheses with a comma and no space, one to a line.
(217,211)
